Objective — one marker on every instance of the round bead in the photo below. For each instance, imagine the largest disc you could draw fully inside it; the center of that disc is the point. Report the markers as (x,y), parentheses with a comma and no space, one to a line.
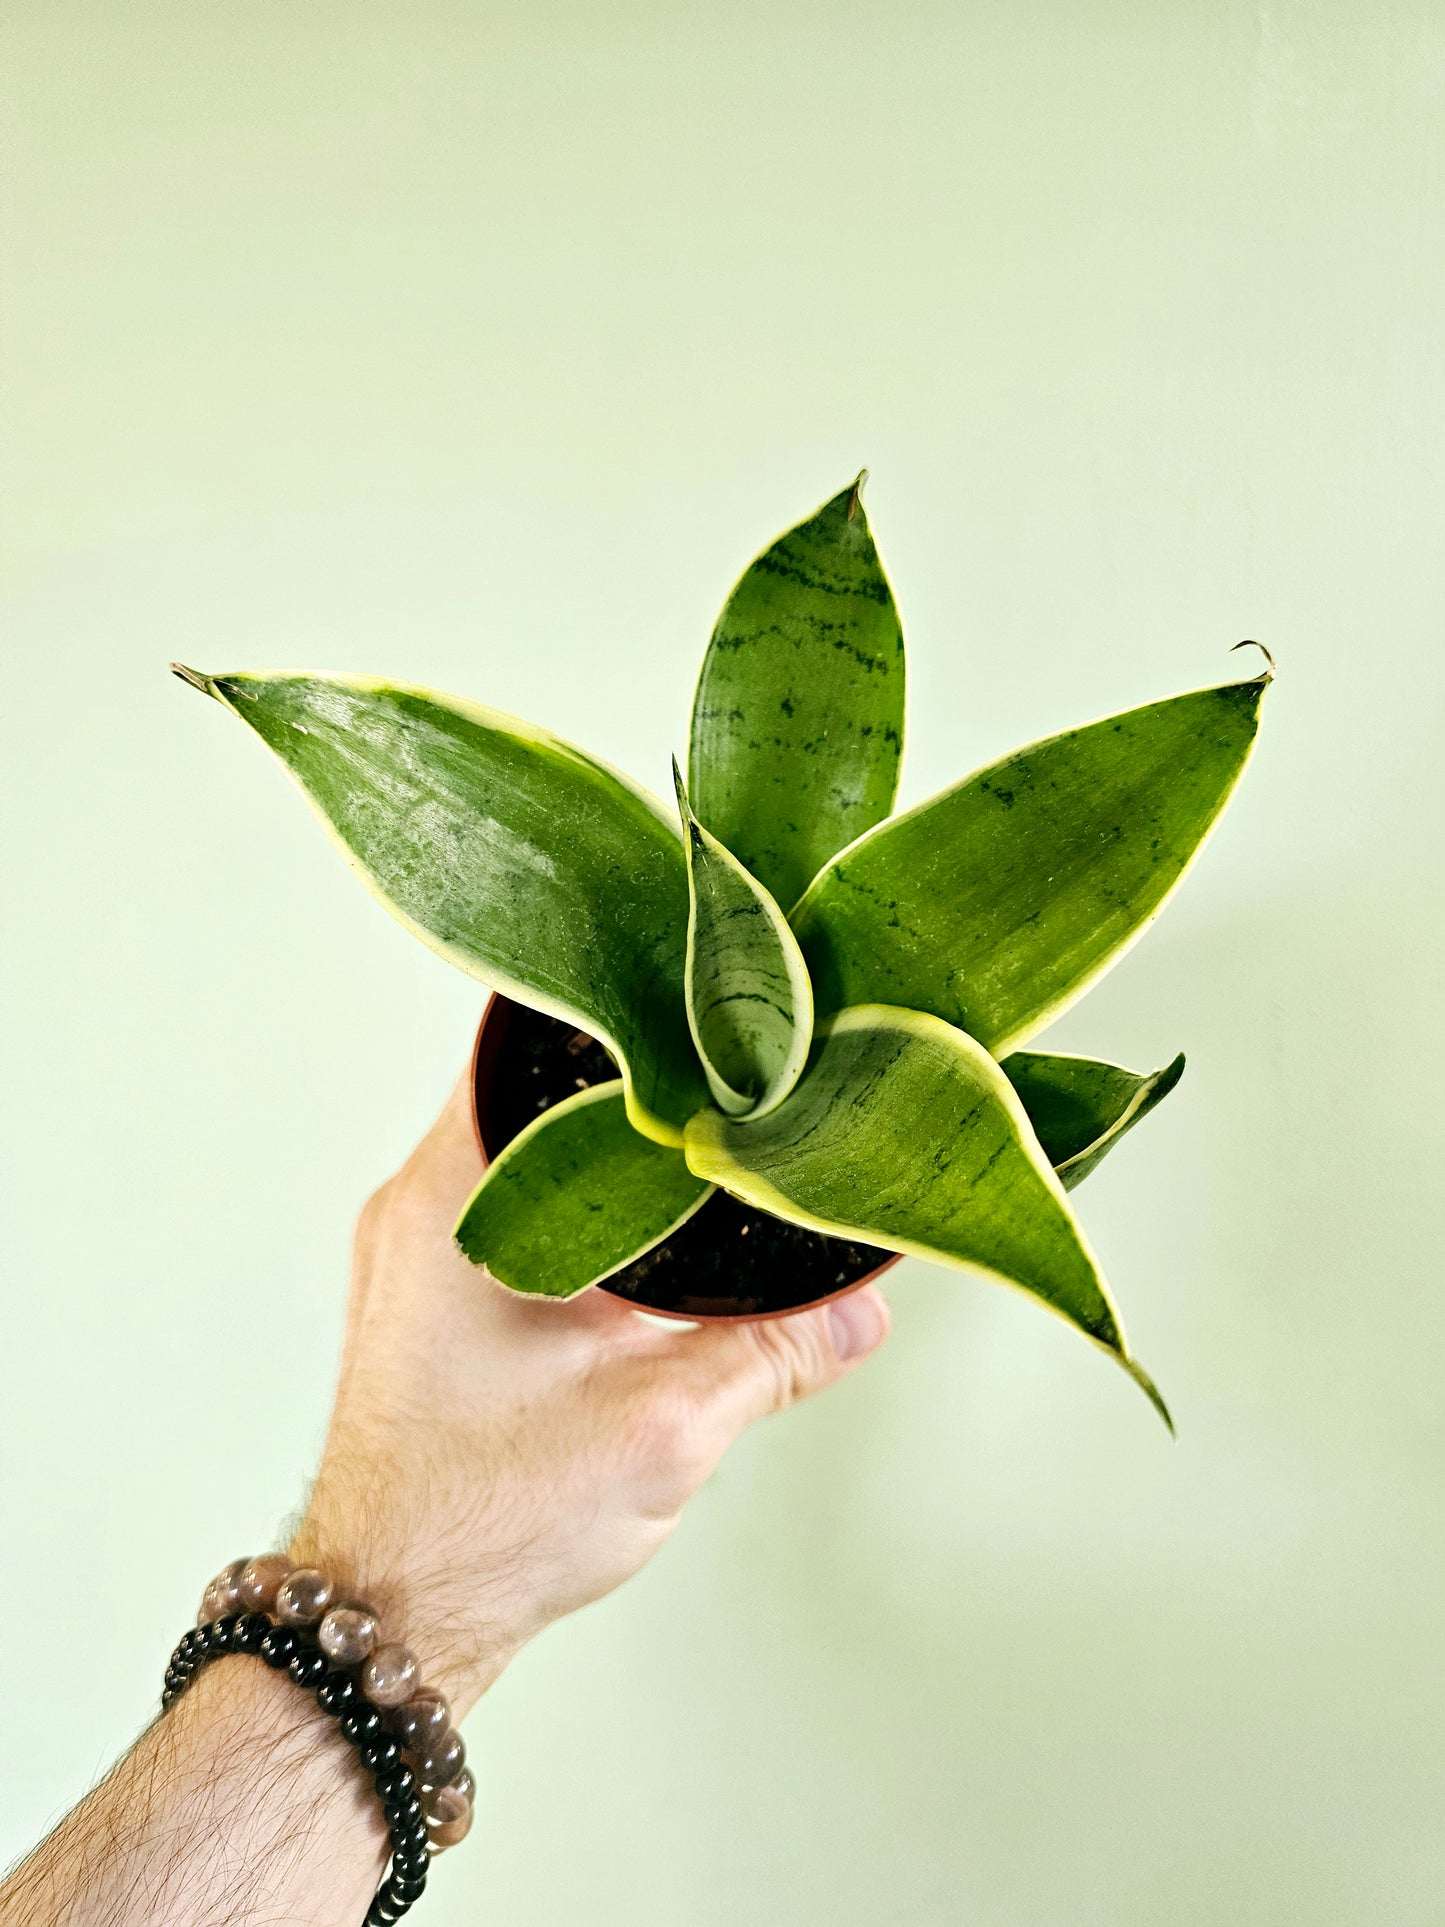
(223,1595)
(260,1579)
(251,1629)
(347,1634)
(308,1667)
(302,1597)
(395,1783)
(411,1838)
(337,1693)
(362,1725)
(389,1677)
(221,1633)
(424,1718)
(442,1761)
(448,1833)
(447,1803)
(381,1755)
(407,1887)
(402,1809)
(279,1647)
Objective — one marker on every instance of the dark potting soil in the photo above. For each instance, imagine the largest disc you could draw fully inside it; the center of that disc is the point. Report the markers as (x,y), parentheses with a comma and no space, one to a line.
(727,1257)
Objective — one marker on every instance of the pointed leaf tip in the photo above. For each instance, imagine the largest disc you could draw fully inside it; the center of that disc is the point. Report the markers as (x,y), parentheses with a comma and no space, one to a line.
(1165,1080)
(691,829)
(1081,1108)
(194,678)
(1150,1390)
(855,494)
(1268,673)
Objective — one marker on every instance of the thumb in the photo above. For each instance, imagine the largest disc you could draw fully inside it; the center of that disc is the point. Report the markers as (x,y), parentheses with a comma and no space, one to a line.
(747,1370)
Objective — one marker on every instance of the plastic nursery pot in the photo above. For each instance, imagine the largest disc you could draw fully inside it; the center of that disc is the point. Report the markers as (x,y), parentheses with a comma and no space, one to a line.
(728,1260)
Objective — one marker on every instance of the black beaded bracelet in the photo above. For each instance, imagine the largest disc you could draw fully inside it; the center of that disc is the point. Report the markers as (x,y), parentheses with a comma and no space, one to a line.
(331,1649)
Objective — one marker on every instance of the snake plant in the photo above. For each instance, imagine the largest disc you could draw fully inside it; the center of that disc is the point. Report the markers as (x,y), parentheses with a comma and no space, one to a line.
(816,1005)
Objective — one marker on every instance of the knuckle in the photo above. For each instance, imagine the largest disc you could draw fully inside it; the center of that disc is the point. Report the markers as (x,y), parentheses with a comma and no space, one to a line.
(791,1353)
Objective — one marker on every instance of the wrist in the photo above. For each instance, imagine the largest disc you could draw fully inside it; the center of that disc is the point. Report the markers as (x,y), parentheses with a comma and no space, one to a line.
(459,1629)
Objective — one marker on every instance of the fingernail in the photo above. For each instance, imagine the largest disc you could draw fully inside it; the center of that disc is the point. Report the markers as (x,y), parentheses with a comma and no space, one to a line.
(856,1323)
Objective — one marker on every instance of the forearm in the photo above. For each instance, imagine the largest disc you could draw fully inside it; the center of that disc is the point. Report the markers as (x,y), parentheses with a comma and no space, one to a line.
(492,1463)
(242,1804)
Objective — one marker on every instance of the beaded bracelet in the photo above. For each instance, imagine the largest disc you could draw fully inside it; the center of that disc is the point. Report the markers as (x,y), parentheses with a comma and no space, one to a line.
(289,1617)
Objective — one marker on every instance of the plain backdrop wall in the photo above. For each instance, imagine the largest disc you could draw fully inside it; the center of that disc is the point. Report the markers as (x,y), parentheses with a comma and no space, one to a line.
(482,345)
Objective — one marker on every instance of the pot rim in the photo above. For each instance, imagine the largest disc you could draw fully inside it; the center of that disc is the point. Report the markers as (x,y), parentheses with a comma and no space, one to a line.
(490,1032)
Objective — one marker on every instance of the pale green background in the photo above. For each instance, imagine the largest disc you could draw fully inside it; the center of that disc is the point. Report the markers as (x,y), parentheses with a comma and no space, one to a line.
(481,345)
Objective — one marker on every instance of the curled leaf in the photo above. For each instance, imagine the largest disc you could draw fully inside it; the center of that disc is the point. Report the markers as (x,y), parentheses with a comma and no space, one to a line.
(1080,1108)
(750,1002)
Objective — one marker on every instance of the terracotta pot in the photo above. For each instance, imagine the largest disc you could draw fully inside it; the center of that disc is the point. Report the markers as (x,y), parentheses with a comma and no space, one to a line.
(637,1284)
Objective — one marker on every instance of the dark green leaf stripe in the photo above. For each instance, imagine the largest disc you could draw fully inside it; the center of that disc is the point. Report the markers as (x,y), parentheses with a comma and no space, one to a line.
(905,1132)
(999,901)
(797,725)
(576,1196)
(1080,1108)
(750,1002)
(520,859)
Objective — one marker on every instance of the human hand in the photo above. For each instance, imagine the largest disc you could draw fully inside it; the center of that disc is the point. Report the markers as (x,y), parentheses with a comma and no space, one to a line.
(493,1461)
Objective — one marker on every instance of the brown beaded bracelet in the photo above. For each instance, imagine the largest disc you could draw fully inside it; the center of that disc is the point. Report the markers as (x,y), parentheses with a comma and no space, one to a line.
(290,1618)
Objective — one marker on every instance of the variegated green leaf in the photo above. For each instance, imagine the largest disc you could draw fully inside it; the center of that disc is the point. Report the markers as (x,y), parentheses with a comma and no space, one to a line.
(905,1132)
(998,902)
(1080,1108)
(750,1002)
(520,859)
(797,725)
(575,1197)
